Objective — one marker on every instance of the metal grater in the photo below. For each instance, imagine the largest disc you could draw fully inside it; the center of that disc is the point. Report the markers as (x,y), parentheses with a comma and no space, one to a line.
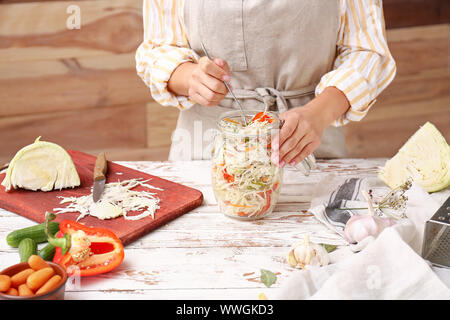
(436,240)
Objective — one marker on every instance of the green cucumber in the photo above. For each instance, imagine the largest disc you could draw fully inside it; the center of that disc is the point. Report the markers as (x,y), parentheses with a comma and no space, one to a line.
(27,248)
(47,252)
(37,233)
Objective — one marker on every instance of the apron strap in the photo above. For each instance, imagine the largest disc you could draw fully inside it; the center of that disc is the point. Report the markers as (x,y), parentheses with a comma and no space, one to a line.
(271,96)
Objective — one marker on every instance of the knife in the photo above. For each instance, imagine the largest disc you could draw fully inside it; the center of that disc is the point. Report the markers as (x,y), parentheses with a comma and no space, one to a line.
(100,169)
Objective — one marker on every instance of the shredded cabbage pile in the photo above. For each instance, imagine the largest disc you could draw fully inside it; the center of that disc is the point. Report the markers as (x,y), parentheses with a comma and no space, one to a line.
(245,182)
(117,199)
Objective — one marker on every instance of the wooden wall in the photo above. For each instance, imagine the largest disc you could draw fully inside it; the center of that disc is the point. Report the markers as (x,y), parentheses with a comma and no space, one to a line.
(409,13)
(79,88)
(420,92)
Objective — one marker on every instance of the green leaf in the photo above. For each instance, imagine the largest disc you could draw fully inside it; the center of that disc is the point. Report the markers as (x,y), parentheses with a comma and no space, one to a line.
(329,247)
(268,277)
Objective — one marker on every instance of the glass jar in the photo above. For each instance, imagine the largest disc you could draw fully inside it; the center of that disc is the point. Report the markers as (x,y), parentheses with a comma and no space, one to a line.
(246,183)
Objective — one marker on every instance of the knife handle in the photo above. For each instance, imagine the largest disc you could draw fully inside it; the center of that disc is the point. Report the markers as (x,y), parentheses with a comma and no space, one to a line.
(101,167)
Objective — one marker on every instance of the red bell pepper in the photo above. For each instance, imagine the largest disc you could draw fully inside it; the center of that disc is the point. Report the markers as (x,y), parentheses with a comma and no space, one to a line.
(104,254)
(227,176)
(268,196)
(262,117)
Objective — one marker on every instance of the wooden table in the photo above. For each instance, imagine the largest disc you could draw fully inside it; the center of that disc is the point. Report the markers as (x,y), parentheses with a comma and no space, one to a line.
(203,254)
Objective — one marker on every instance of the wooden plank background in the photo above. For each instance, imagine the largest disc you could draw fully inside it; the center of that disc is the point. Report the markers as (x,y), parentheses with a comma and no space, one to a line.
(79,88)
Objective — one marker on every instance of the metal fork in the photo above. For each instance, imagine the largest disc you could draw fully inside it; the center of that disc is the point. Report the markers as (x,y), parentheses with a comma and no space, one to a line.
(228,87)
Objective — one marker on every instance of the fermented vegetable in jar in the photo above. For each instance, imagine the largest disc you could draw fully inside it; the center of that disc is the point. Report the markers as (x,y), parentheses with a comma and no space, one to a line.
(246,183)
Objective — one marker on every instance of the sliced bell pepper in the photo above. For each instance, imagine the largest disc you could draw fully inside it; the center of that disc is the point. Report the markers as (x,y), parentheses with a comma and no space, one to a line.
(268,196)
(105,248)
(227,176)
(263,117)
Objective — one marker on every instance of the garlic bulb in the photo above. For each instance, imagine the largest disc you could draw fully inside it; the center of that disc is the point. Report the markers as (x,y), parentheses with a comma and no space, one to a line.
(305,253)
(359,227)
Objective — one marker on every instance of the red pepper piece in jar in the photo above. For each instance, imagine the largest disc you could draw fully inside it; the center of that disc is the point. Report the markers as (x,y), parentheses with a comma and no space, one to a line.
(268,196)
(263,117)
(227,176)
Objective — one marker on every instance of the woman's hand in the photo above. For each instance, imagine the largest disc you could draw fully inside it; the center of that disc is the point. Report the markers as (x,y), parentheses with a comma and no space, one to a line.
(204,82)
(300,135)
(304,126)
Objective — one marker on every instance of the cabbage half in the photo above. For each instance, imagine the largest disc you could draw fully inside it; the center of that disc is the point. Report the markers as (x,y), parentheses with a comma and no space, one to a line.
(425,159)
(41,166)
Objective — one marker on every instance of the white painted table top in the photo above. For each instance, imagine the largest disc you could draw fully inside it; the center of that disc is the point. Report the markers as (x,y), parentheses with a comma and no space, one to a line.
(204,254)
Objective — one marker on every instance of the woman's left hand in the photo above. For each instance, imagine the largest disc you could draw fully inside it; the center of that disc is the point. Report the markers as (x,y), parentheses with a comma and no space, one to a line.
(304,126)
(300,135)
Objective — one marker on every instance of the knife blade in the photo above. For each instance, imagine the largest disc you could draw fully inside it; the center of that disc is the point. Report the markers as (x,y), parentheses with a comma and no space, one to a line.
(100,169)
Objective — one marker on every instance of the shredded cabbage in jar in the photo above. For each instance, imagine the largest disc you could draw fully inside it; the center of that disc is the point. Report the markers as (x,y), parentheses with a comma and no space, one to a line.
(245,182)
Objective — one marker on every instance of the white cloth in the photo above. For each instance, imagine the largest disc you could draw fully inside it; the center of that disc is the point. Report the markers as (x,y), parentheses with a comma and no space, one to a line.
(388,267)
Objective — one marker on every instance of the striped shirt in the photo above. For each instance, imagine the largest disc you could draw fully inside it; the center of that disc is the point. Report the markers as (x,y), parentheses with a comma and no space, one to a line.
(362,69)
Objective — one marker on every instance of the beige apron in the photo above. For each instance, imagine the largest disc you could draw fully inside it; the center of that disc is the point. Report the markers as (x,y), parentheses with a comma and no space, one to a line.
(277,52)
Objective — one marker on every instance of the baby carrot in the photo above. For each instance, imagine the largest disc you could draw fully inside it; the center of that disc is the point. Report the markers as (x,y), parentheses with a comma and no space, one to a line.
(12,292)
(21,277)
(5,283)
(24,290)
(51,284)
(37,263)
(38,278)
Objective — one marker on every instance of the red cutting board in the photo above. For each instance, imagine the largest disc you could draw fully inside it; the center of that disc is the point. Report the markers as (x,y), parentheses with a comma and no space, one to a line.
(175,200)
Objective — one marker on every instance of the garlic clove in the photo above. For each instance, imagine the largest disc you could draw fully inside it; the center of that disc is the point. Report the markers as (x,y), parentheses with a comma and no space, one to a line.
(291,259)
(321,256)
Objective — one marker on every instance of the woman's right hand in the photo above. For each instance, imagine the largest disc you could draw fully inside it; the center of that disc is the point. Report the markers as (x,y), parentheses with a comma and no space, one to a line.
(205,84)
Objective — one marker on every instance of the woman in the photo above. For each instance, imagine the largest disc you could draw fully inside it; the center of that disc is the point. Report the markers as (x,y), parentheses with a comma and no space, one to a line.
(320,64)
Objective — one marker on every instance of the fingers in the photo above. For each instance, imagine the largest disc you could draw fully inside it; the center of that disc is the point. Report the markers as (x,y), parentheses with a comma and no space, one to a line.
(307,150)
(209,98)
(295,141)
(198,99)
(290,146)
(212,83)
(210,89)
(304,147)
(297,149)
(206,85)
(223,64)
(211,68)
(286,131)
